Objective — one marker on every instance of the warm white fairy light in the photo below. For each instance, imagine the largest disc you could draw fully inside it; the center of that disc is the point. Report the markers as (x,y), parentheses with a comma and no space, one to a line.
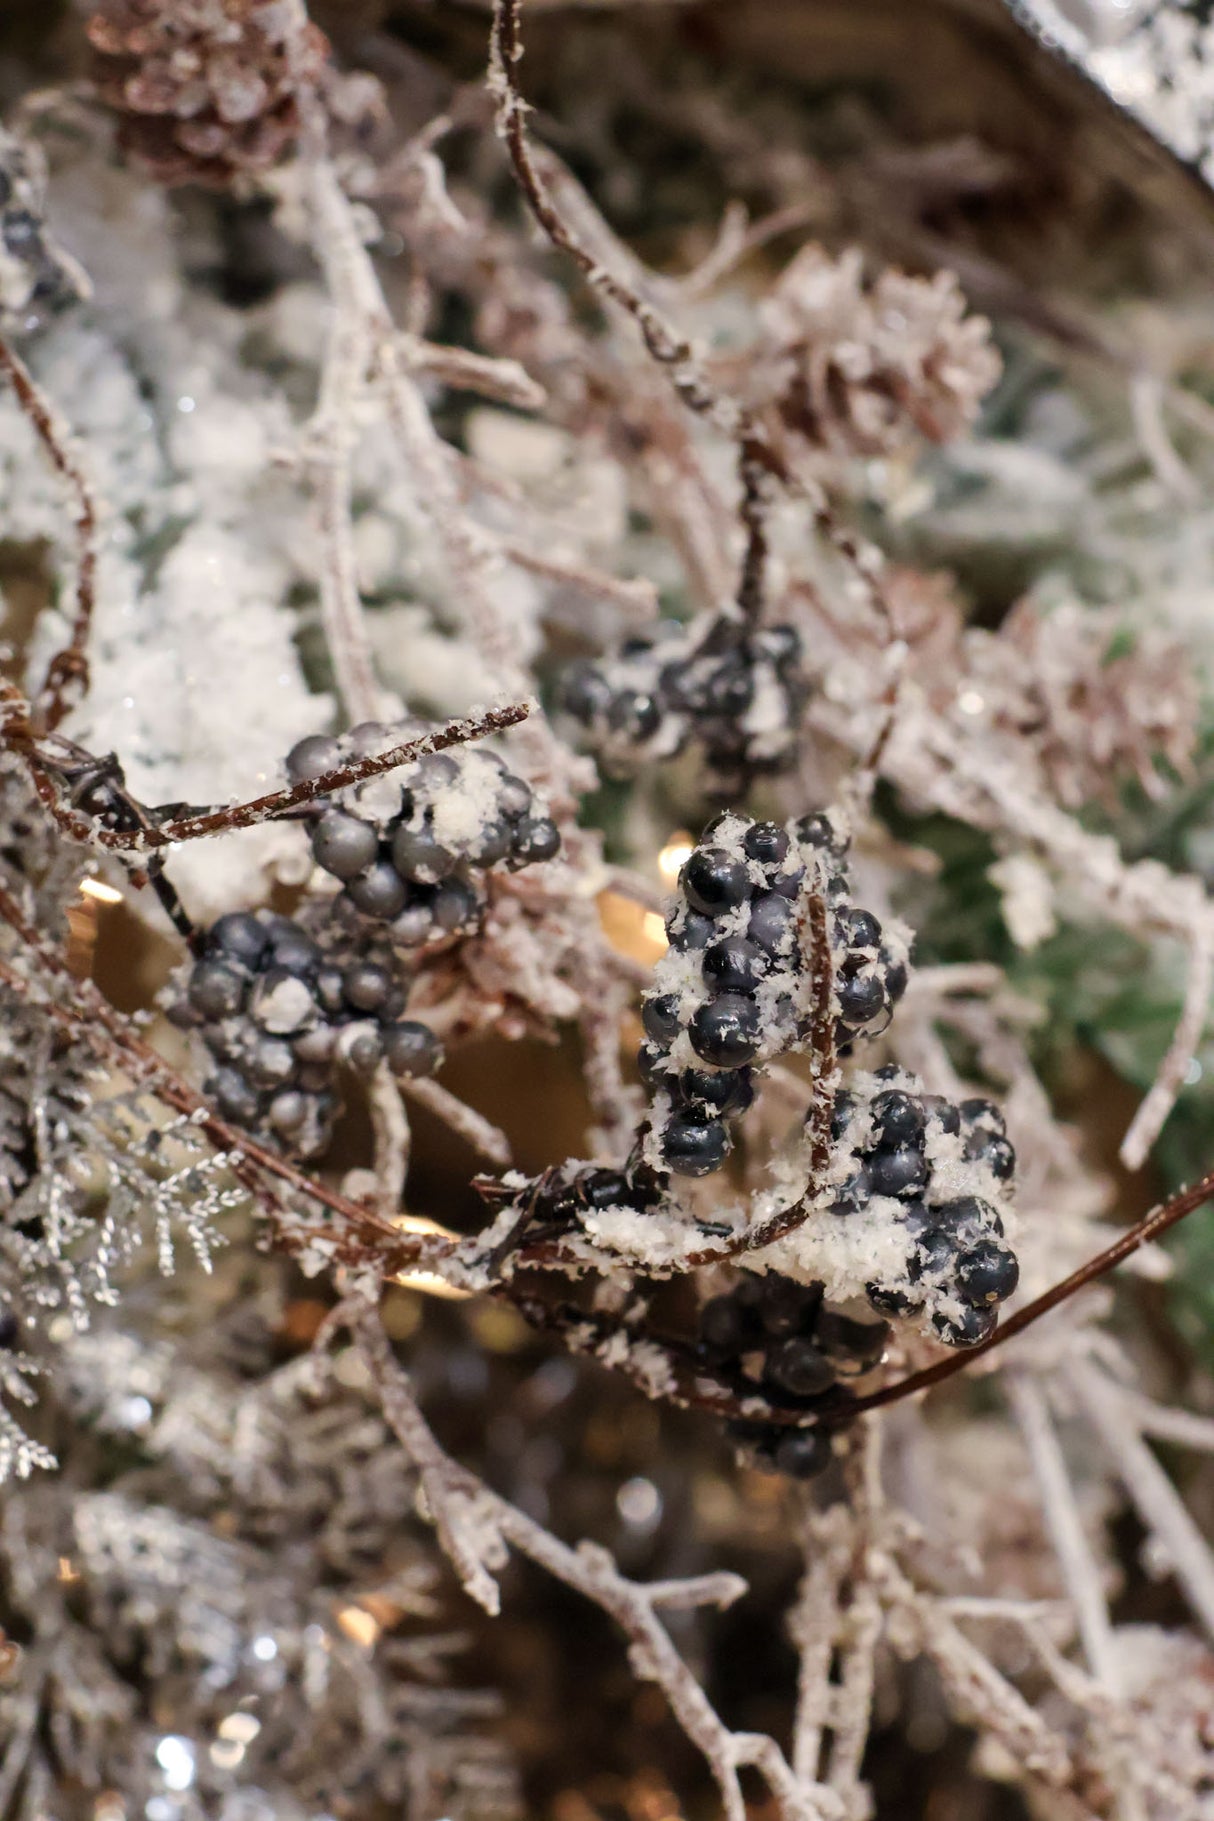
(674,855)
(98,890)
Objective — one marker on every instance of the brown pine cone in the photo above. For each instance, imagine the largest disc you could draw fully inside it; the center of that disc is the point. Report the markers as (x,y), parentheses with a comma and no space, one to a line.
(203,87)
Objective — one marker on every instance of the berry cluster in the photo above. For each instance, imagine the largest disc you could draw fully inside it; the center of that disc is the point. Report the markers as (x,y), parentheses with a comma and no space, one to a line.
(36,276)
(737,693)
(280,1017)
(561,1198)
(734,987)
(406,847)
(939,1172)
(776,1338)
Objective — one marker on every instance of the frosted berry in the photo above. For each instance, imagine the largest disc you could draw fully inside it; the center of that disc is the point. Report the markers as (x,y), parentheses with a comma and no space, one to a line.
(411,1048)
(967,1329)
(313,757)
(897,1172)
(724,1090)
(216,989)
(987,1273)
(726,1030)
(713,883)
(735,965)
(766,842)
(343,845)
(694,1147)
(660,1017)
(898,1117)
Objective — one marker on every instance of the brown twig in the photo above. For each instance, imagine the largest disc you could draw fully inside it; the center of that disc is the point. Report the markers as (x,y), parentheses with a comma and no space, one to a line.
(280,802)
(69,668)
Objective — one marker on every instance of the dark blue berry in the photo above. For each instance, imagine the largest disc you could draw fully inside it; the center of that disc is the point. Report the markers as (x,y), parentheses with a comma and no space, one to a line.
(216,990)
(816,831)
(723,1090)
(725,1031)
(987,1273)
(379,892)
(898,1117)
(935,1255)
(853,1196)
(660,1017)
(294,950)
(896,976)
(454,906)
(857,928)
(411,1048)
(727,1327)
(770,925)
(343,845)
(765,842)
(789,884)
(968,1217)
(860,1000)
(735,965)
(968,1328)
(982,1113)
(803,1453)
(897,1172)
(241,937)
(604,1189)
(234,1096)
(313,757)
(797,1367)
(888,1301)
(863,1342)
(993,1150)
(714,883)
(694,1147)
(651,1066)
(634,713)
(418,854)
(942,1112)
(841,1113)
(696,930)
(786,1306)
(536,838)
(585,693)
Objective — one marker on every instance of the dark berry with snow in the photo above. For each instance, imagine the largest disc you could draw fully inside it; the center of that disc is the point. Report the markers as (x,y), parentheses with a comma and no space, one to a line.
(282,1017)
(932,1178)
(735,988)
(773,1338)
(410,848)
(735,692)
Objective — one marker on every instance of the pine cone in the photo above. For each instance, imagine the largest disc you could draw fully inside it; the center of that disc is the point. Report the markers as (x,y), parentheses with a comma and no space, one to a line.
(203,87)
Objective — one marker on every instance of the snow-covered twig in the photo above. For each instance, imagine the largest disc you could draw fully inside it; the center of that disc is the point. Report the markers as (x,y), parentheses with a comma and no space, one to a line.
(1079,1569)
(476,1528)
